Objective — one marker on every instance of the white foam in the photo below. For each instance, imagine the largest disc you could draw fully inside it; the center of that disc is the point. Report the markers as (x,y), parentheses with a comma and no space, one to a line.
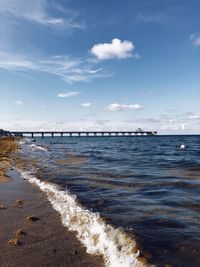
(21,142)
(35,147)
(24,141)
(28,140)
(97,236)
(182,146)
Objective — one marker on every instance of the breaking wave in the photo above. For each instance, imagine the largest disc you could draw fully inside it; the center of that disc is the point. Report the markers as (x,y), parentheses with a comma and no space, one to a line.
(98,237)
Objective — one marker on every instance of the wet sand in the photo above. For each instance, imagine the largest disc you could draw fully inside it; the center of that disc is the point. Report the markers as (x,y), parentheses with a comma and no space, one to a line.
(44,242)
(40,242)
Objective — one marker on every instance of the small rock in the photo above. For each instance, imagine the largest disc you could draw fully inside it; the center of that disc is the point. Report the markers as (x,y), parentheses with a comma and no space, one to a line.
(32,218)
(20,233)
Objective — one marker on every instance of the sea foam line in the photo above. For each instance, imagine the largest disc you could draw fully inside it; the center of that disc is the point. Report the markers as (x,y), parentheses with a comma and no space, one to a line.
(97,236)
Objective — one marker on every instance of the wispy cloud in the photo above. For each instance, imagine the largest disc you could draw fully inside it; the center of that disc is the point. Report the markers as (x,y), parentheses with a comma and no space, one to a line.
(173,127)
(37,11)
(179,123)
(68,94)
(69,69)
(193,115)
(152,18)
(18,103)
(70,125)
(195,38)
(15,62)
(86,105)
(123,107)
(151,93)
(115,49)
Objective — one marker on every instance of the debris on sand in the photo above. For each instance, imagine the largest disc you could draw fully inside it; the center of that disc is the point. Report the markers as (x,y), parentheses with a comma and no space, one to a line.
(8,149)
(14,242)
(19,202)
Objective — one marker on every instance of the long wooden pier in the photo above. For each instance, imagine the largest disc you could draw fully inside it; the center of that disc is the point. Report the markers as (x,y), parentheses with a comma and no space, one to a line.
(82,133)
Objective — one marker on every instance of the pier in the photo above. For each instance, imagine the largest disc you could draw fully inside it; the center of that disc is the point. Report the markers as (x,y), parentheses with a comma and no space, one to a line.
(4,133)
(82,133)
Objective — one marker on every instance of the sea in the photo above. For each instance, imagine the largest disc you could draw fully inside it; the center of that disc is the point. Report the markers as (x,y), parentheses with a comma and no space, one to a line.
(132,199)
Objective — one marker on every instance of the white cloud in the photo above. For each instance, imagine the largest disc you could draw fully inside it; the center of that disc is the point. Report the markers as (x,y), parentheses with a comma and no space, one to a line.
(151,93)
(173,127)
(18,103)
(15,62)
(69,125)
(115,49)
(69,69)
(152,18)
(86,105)
(68,94)
(179,123)
(195,38)
(193,115)
(123,107)
(196,41)
(37,12)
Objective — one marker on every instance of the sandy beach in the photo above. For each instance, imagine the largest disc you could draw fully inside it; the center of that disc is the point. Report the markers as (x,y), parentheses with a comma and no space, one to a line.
(31,233)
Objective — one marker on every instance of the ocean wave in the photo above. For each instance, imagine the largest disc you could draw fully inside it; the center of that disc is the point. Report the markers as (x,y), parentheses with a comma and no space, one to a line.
(117,248)
(35,147)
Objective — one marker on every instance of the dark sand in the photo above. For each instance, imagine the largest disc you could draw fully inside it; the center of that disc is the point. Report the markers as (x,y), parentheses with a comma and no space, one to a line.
(46,242)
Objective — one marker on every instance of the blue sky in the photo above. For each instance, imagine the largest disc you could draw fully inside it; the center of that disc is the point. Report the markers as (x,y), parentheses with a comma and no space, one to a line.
(100,65)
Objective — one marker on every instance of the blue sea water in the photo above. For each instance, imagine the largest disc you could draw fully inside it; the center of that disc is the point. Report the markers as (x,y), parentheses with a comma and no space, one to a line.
(145,185)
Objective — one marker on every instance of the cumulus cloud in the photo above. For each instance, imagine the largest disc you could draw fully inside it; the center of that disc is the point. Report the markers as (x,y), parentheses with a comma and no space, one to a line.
(68,94)
(115,49)
(18,103)
(86,105)
(123,107)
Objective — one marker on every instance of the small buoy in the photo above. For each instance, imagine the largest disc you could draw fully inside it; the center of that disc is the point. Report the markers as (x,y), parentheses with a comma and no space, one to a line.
(182,146)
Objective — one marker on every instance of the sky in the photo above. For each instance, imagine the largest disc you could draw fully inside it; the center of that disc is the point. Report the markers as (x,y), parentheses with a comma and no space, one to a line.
(100,65)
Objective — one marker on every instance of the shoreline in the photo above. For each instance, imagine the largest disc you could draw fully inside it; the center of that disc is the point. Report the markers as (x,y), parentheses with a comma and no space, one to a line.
(43,241)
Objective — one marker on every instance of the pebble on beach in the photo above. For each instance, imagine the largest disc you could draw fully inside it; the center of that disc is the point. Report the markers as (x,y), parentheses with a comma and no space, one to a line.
(32,218)
(2,207)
